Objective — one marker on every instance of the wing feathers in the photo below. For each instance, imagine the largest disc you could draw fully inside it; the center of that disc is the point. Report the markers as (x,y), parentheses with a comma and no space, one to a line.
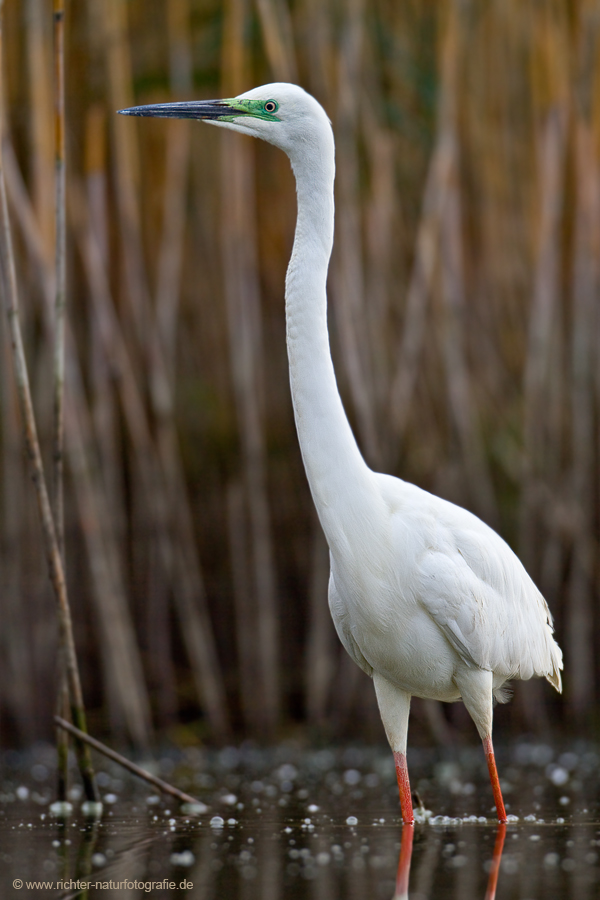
(491,612)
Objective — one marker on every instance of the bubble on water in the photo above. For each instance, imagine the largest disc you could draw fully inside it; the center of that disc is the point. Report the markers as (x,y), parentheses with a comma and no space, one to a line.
(194,809)
(313,808)
(352,777)
(22,792)
(529,818)
(351,820)
(110,798)
(558,775)
(185,858)
(229,799)
(61,808)
(534,837)
(564,801)
(448,820)
(421,814)
(153,800)
(217,822)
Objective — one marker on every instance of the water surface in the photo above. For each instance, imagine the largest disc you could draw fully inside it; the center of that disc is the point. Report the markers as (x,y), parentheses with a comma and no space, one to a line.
(319,825)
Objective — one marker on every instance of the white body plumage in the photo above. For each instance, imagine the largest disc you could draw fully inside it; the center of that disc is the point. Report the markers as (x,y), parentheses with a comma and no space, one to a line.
(425,597)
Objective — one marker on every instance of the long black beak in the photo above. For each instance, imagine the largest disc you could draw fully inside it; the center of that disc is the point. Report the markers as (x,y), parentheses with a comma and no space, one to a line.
(194,109)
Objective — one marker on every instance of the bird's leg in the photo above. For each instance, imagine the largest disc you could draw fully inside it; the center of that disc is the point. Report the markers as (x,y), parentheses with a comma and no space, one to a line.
(404,788)
(491,761)
(476,690)
(394,706)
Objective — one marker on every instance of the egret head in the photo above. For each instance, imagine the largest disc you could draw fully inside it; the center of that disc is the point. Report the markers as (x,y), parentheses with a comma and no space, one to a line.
(282,114)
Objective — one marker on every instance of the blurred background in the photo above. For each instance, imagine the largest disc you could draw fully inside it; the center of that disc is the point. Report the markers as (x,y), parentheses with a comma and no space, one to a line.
(464,314)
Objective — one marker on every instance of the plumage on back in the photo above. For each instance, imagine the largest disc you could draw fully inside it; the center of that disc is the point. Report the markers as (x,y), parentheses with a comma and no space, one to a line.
(476,589)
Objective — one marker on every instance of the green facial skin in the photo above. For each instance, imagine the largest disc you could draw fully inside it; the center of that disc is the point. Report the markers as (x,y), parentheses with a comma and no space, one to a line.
(254,108)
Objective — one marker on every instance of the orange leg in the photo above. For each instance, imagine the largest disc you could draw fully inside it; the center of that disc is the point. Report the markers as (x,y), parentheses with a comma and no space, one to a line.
(491,761)
(404,788)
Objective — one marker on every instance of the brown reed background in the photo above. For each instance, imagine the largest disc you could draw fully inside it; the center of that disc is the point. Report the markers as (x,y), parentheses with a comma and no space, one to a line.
(464,293)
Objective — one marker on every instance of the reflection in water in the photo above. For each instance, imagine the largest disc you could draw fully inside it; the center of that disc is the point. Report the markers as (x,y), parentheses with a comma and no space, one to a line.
(406,845)
(257,857)
(316,826)
(405,857)
(495,867)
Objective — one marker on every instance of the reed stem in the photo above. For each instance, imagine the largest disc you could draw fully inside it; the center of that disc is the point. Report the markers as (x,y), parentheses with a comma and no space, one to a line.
(51,542)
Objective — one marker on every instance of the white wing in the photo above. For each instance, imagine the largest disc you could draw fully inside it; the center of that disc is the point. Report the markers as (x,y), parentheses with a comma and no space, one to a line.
(476,589)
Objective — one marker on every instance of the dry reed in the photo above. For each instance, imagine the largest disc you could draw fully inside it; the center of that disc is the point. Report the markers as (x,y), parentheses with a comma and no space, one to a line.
(463,289)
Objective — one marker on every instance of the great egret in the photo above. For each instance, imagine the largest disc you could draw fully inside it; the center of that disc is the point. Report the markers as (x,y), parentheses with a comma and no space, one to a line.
(425,597)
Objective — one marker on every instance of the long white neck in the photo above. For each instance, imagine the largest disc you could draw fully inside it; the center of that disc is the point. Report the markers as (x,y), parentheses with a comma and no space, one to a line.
(334,466)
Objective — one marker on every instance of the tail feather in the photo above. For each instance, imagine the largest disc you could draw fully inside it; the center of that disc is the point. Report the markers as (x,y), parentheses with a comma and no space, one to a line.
(555,679)
(557,663)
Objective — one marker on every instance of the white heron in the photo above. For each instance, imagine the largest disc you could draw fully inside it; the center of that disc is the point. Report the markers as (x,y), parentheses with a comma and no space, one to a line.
(426,598)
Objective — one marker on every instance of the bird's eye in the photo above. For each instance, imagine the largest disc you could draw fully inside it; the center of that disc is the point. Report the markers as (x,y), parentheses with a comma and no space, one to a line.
(270,106)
